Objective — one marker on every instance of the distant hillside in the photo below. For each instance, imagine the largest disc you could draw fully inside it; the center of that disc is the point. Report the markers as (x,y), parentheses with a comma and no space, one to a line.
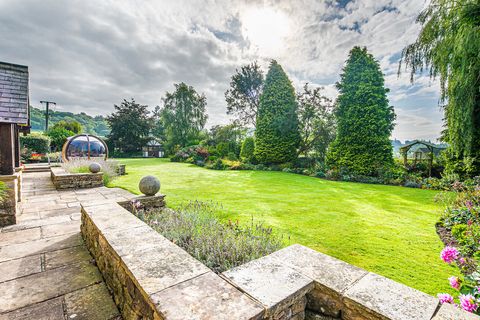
(93,125)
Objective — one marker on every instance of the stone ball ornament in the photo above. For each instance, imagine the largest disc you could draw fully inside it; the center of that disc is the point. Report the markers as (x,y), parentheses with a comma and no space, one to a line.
(94,167)
(149,185)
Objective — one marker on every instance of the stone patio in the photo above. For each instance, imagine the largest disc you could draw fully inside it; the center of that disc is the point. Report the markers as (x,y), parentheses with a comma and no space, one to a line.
(45,270)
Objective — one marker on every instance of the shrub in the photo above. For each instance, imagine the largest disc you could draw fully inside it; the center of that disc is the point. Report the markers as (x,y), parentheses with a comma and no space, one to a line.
(220,246)
(35,143)
(458,232)
(3,188)
(58,136)
(248,147)
(190,154)
(412,184)
(217,165)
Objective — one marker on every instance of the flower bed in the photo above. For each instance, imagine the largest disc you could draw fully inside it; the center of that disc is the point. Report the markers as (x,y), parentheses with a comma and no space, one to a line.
(459,229)
(220,246)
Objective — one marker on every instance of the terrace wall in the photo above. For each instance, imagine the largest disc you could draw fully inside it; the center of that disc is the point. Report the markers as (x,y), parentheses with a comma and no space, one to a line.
(9,207)
(65,180)
(151,277)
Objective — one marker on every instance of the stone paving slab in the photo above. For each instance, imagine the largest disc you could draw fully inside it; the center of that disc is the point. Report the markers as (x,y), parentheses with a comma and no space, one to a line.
(206,297)
(20,236)
(59,258)
(59,229)
(91,303)
(48,310)
(20,267)
(21,250)
(45,270)
(46,285)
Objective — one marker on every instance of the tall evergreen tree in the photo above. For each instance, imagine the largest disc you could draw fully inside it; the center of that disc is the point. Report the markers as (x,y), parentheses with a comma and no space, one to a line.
(276,134)
(364,118)
(448,46)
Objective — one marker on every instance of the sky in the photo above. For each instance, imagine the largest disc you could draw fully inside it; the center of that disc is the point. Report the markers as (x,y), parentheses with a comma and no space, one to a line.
(88,55)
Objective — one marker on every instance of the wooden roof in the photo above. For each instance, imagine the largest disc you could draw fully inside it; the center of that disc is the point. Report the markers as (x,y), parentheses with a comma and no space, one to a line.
(14,99)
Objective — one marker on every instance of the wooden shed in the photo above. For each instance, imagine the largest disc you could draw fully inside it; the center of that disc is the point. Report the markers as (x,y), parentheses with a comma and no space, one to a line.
(14,114)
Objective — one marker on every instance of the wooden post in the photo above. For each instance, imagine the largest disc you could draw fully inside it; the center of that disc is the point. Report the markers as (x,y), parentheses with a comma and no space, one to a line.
(17,145)
(7,149)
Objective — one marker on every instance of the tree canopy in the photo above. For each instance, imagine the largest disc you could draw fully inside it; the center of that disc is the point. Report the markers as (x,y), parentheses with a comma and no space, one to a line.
(243,97)
(130,126)
(183,116)
(276,134)
(448,46)
(364,117)
(316,122)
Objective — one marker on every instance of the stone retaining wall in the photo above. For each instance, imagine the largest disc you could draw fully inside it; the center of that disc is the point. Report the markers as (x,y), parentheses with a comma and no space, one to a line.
(65,180)
(9,206)
(151,277)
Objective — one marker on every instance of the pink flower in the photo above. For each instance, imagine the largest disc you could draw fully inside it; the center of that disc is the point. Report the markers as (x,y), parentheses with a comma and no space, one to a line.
(449,254)
(454,282)
(468,303)
(445,298)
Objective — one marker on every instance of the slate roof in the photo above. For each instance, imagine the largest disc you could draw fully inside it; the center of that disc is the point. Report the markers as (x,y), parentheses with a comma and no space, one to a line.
(14,98)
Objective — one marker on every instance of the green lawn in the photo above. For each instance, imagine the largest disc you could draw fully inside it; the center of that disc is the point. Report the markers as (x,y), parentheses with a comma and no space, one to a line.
(385,229)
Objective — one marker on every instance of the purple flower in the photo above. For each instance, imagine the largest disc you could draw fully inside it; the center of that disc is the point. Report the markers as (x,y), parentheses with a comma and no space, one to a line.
(454,282)
(469,205)
(445,298)
(468,302)
(449,254)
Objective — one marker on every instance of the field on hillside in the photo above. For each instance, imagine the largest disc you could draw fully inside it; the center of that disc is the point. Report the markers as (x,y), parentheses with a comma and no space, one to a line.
(384,229)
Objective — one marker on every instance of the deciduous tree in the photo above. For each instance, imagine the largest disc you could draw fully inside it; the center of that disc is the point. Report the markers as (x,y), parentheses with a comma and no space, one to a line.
(243,97)
(448,46)
(316,122)
(183,116)
(130,126)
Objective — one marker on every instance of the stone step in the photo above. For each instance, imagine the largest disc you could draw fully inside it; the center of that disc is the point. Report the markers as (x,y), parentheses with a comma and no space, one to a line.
(36,169)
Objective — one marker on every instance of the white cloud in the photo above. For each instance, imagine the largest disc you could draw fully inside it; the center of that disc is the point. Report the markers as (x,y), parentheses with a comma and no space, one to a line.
(88,55)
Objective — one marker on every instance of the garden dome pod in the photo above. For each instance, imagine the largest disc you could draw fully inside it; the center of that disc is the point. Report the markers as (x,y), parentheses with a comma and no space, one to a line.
(84,146)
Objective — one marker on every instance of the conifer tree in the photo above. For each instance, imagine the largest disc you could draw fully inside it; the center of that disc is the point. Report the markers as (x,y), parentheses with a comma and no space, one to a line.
(276,134)
(364,118)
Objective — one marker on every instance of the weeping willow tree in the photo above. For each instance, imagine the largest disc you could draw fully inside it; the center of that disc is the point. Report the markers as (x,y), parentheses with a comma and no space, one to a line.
(448,47)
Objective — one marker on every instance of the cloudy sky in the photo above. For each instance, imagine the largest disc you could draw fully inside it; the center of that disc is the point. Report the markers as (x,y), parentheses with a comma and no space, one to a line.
(88,55)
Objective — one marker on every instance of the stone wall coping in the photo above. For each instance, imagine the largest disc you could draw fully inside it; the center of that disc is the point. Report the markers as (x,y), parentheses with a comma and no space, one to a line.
(168,278)
(450,312)
(363,294)
(60,172)
(10,177)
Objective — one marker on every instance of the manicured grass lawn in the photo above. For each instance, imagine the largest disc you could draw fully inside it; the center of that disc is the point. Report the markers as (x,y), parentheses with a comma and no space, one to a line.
(384,229)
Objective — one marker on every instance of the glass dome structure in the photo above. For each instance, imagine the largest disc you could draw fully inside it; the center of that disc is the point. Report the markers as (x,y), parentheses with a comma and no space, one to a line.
(84,146)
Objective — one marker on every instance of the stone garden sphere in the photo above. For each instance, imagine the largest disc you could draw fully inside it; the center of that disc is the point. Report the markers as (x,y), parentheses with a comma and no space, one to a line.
(149,185)
(94,167)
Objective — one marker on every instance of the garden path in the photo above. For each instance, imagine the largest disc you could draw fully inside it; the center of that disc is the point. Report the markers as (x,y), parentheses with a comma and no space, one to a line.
(45,270)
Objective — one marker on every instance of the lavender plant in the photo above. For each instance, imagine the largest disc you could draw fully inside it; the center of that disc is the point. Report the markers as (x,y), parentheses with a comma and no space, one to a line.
(220,246)
(109,167)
